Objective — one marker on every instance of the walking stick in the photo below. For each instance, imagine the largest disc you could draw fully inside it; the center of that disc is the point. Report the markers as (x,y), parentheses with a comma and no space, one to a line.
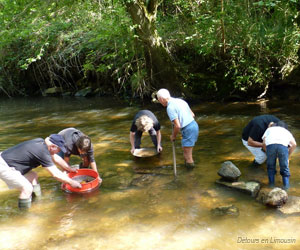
(174,159)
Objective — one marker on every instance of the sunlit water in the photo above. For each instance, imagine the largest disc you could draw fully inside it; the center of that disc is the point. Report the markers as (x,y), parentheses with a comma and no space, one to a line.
(140,205)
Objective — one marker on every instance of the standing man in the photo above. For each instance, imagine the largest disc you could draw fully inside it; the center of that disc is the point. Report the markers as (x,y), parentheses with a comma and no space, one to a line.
(183,120)
(279,143)
(16,164)
(252,136)
(145,121)
(77,143)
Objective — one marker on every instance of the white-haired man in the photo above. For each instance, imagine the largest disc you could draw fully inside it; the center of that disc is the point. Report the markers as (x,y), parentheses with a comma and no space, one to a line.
(183,120)
(17,162)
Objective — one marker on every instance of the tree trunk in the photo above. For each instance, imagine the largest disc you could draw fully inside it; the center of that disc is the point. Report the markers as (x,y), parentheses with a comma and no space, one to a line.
(161,68)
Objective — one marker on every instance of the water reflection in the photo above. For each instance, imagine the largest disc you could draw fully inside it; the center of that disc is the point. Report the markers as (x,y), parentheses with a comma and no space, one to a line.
(140,205)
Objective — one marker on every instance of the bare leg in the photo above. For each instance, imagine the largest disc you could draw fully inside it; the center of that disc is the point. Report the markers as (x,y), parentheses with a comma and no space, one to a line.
(27,188)
(32,177)
(26,191)
(188,154)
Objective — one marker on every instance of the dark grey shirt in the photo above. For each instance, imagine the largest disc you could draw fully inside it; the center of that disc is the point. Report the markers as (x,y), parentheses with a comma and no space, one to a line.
(71,135)
(148,113)
(257,127)
(28,155)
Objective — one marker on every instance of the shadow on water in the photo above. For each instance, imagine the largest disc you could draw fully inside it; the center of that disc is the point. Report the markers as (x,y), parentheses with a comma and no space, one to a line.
(140,205)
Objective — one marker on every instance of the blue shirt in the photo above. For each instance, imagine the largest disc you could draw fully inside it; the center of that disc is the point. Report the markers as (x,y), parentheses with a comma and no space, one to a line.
(178,108)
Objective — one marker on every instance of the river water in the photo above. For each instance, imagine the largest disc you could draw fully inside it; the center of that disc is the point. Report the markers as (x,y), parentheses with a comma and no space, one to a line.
(140,205)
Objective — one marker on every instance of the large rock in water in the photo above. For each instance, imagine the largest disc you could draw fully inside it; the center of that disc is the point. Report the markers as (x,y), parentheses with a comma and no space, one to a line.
(249,187)
(276,197)
(229,171)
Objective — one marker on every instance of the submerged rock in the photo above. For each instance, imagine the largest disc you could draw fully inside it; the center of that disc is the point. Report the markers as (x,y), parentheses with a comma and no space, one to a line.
(116,182)
(230,210)
(229,171)
(275,197)
(250,187)
(109,174)
(210,193)
(142,180)
(292,206)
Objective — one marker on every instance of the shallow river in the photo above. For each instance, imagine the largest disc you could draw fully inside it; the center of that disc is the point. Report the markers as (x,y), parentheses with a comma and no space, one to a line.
(140,205)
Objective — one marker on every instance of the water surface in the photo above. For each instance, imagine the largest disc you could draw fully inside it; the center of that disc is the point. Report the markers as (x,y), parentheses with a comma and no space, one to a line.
(140,205)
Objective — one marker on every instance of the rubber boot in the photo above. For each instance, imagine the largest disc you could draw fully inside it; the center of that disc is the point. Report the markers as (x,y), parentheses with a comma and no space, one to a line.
(37,192)
(189,166)
(24,203)
(286,182)
(271,181)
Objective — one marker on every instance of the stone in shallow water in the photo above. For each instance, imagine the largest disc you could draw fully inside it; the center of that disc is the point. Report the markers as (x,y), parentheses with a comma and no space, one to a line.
(229,171)
(142,180)
(249,187)
(225,210)
(275,197)
(292,207)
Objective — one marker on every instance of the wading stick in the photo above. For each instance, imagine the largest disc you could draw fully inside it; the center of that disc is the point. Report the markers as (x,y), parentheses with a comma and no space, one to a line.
(174,159)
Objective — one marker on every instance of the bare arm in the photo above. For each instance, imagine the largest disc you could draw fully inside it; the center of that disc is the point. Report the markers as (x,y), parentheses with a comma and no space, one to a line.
(192,113)
(94,167)
(255,144)
(62,177)
(62,163)
(131,137)
(176,129)
(292,146)
(158,137)
(264,145)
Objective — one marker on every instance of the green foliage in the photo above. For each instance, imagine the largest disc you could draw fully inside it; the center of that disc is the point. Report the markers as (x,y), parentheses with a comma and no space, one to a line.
(261,39)
(72,44)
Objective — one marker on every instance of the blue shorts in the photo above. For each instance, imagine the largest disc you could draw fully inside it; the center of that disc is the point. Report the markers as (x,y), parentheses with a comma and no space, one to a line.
(190,134)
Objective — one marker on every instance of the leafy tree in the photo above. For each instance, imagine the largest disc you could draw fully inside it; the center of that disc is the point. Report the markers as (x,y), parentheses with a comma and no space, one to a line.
(161,68)
(210,48)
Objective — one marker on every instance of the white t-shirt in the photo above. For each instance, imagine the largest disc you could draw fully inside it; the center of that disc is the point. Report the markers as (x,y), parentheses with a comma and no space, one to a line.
(278,135)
